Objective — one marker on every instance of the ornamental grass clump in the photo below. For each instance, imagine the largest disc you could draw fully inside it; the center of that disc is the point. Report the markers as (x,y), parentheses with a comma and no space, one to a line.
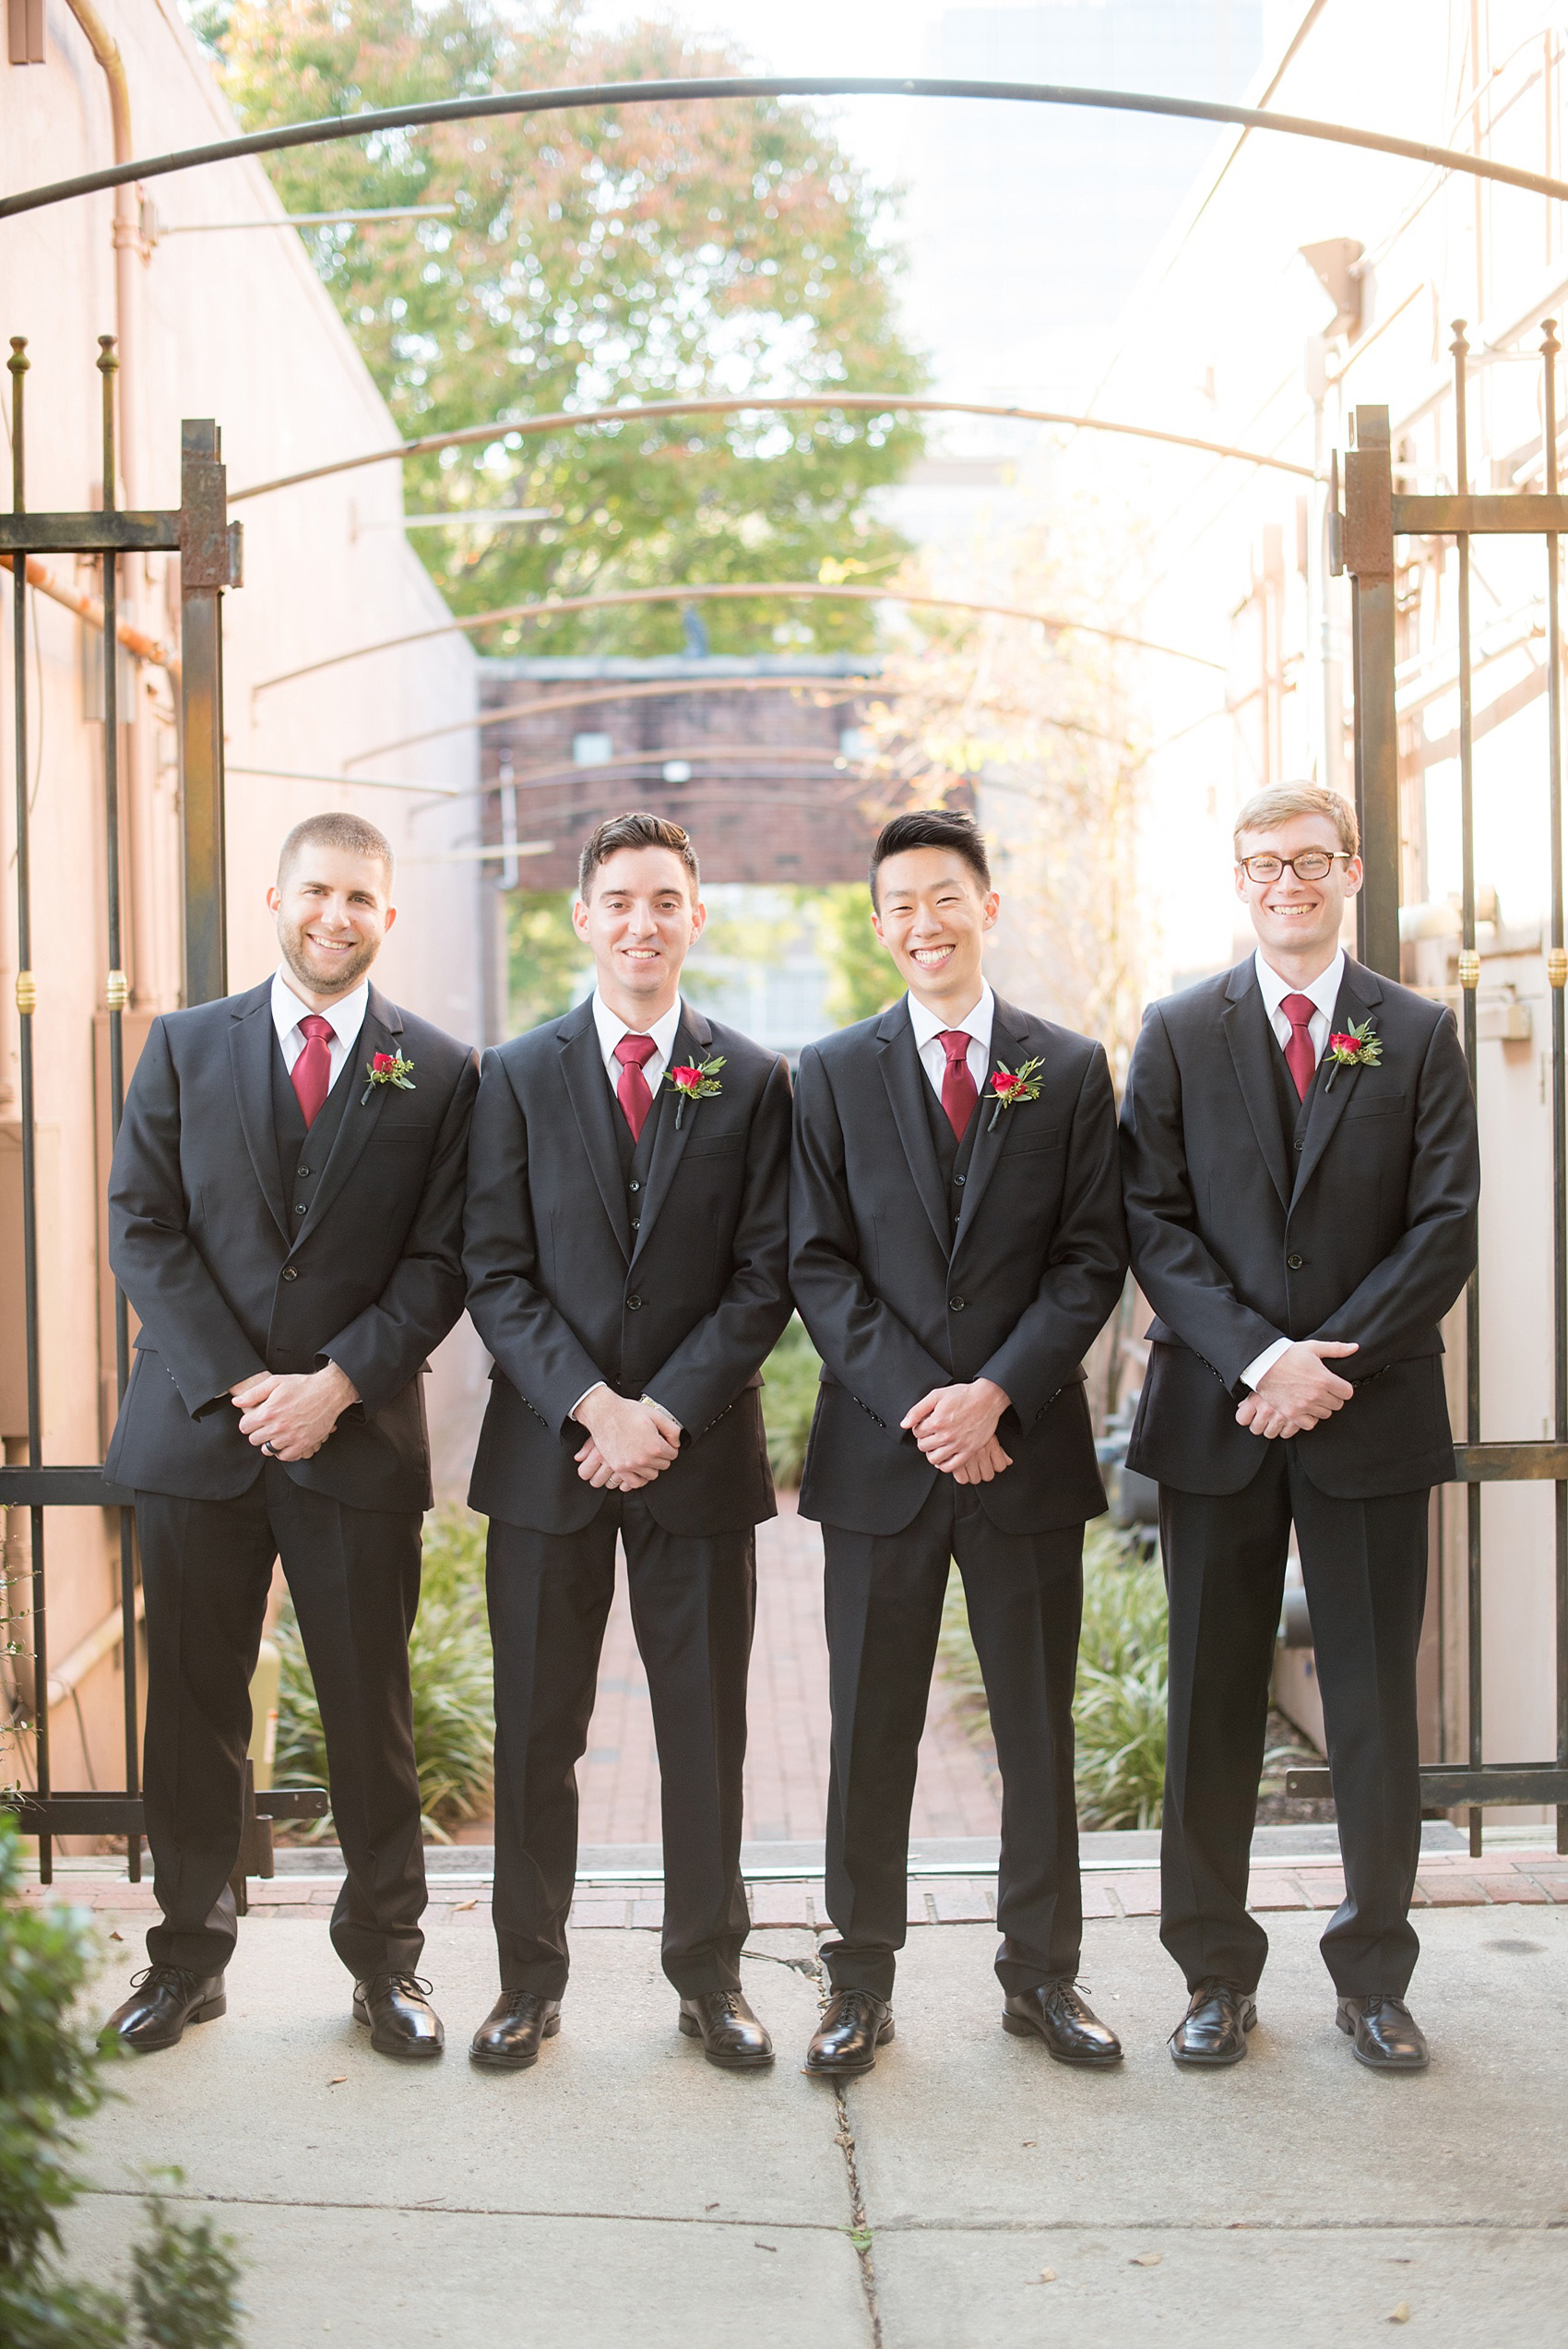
(449,1672)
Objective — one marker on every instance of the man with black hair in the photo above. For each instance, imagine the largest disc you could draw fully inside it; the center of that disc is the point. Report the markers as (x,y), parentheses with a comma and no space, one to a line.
(285,1215)
(628,1232)
(957,1244)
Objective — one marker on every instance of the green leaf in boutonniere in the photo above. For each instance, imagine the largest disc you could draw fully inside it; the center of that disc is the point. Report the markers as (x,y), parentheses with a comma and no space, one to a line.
(387,1068)
(1359,1046)
(694,1080)
(1010,1085)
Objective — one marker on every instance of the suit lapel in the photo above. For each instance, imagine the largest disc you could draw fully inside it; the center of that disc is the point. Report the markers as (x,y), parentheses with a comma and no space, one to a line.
(251,1047)
(383,1027)
(1251,1041)
(1009,1031)
(593,1104)
(903,1076)
(693,1036)
(1359,993)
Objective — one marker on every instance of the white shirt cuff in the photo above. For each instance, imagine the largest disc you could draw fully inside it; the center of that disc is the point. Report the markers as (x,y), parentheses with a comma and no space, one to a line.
(1262,1363)
(584,1396)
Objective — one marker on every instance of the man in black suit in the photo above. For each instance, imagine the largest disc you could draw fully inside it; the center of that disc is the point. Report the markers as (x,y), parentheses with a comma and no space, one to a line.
(956,1245)
(285,1212)
(627,1226)
(1302,1178)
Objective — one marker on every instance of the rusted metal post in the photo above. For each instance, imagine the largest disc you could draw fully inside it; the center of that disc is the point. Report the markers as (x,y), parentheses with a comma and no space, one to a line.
(27,1002)
(1557,976)
(203,573)
(115,996)
(1368,557)
(1470,980)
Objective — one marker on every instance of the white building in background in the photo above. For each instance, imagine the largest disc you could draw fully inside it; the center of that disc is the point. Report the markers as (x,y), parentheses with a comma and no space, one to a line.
(1233,337)
(227,322)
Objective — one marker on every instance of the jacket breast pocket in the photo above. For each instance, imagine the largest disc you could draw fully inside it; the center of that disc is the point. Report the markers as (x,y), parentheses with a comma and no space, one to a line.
(1374,1105)
(1027,1141)
(713,1146)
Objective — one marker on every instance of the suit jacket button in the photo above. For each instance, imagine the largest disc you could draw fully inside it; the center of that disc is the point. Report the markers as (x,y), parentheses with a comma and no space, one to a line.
(958,1304)
(957,1178)
(633,1304)
(1294,1262)
(289,1273)
(635,1186)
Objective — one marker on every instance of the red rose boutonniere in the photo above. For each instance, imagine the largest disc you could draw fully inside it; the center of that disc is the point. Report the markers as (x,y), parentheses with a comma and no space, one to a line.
(1356,1047)
(1010,1085)
(387,1068)
(694,1080)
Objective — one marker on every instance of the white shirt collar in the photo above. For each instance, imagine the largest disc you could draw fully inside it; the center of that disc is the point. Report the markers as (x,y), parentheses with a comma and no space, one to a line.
(612,1027)
(1323,993)
(346,1017)
(976,1022)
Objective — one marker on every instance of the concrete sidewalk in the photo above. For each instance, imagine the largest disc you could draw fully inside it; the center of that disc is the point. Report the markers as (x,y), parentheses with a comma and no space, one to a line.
(625,2191)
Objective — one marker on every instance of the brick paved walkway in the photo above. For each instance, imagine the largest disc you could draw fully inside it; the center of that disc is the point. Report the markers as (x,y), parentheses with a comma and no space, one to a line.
(786,1760)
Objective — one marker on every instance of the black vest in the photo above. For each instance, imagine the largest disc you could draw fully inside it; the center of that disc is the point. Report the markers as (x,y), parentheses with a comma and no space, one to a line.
(953,1155)
(1293,1113)
(301,1169)
(636,1159)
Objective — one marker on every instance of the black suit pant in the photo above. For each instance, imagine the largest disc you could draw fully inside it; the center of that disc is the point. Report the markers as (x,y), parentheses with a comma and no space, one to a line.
(353,1575)
(1364,1564)
(694,1602)
(884,1595)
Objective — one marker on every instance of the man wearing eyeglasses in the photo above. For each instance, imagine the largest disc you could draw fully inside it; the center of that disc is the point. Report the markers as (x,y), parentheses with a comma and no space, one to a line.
(1301,1177)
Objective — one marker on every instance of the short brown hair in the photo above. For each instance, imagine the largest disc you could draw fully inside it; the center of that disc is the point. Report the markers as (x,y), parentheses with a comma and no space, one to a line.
(932,827)
(640,830)
(338,830)
(1267,810)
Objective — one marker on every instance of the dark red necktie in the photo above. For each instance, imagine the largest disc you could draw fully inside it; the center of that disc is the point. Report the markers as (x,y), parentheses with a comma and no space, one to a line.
(959,1095)
(632,1092)
(1300,1058)
(312,1072)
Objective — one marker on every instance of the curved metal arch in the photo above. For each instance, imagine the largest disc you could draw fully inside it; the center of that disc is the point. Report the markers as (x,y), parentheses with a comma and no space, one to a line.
(648,93)
(857,402)
(748,589)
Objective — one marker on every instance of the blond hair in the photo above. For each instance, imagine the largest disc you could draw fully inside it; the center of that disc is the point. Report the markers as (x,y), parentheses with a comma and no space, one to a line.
(1267,810)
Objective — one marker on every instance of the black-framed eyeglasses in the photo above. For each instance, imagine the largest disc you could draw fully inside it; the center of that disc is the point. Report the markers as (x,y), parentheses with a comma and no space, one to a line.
(1311,864)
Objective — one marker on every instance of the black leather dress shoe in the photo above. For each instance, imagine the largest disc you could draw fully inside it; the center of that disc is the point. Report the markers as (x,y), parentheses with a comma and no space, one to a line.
(854,2026)
(509,2037)
(162,2001)
(1054,2012)
(1387,2036)
(1213,2029)
(395,2009)
(730,2032)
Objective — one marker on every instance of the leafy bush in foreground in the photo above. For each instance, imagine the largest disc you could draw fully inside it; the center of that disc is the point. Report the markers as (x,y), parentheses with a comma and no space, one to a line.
(788,1399)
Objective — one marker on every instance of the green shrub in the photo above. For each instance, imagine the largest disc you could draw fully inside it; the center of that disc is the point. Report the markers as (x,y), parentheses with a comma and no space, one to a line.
(789,1398)
(450,1671)
(50,2078)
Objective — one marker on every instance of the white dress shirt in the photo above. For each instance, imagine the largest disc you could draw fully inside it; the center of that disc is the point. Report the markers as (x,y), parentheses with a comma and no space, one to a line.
(612,1027)
(928,1027)
(1324,992)
(345,1018)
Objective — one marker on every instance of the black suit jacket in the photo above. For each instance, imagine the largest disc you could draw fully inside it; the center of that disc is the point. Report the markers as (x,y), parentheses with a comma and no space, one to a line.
(1370,1235)
(1036,1263)
(200,1240)
(564,1295)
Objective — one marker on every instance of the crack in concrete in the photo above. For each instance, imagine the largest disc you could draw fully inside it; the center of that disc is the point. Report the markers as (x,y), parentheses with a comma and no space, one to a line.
(859,2229)
(432,2210)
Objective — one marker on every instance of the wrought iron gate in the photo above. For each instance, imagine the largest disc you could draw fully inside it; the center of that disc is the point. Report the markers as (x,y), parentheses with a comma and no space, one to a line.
(1375,515)
(208,547)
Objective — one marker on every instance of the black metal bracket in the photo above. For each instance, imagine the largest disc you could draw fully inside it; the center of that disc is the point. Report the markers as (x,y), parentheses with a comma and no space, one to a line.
(1457,1787)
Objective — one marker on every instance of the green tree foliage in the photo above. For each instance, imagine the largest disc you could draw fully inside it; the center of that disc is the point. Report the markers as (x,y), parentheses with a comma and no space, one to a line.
(864,980)
(595,257)
(546,960)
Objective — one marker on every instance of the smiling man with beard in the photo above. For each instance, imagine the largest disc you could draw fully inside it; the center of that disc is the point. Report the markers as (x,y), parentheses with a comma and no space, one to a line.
(285,1215)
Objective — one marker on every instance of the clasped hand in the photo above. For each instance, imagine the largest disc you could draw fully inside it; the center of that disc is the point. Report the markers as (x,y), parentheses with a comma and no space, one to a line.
(1297,1391)
(291,1415)
(956,1428)
(629,1443)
